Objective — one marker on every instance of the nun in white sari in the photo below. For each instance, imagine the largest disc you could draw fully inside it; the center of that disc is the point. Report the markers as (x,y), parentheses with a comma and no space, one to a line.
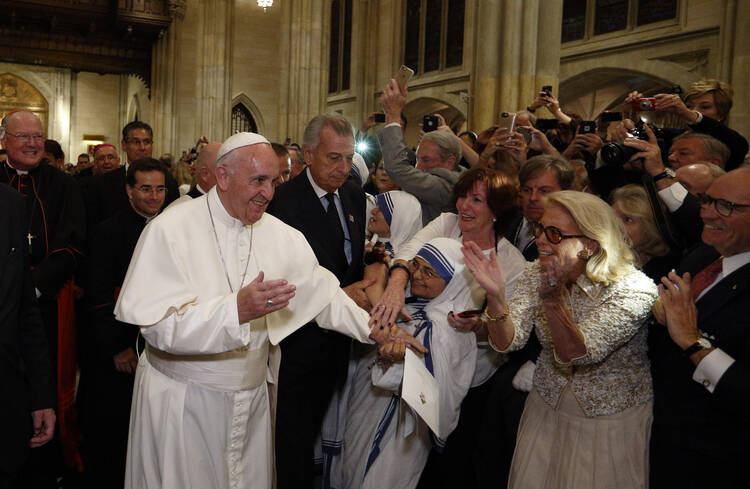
(382,442)
(396,219)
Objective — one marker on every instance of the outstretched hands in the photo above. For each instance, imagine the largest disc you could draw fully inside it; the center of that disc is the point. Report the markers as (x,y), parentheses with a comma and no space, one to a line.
(394,341)
(485,269)
(260,297)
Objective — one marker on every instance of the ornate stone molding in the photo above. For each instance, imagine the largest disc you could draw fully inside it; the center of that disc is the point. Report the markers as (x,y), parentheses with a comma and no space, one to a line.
(693,61)
(177,8)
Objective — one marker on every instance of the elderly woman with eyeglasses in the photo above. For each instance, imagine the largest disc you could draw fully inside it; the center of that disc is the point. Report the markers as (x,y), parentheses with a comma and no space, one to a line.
(587,420)
(377,440)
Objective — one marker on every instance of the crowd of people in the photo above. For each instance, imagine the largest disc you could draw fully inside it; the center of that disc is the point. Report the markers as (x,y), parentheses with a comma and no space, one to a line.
(576,291)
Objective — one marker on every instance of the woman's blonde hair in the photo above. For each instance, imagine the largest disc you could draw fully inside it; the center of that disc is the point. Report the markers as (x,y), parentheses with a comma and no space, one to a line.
(633,202)
(722,92)
(597,221)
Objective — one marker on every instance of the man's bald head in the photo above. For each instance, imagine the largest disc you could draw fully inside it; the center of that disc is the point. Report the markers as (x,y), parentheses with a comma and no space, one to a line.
(22,136)
(696,178)
(205,166)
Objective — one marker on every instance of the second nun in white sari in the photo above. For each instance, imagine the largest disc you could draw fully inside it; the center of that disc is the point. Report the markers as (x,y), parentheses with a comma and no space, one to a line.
(383,443)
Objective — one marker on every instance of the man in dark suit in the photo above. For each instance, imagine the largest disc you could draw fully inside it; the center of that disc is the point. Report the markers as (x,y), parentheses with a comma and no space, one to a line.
(329,209)
(105,194)
(701,361)
(54,233)
(26,382)
(107,375)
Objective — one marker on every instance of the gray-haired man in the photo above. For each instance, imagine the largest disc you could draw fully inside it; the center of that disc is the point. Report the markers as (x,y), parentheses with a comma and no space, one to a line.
(438,154)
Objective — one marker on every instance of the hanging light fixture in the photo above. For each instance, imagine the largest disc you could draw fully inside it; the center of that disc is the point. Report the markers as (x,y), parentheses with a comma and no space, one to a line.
(265,4)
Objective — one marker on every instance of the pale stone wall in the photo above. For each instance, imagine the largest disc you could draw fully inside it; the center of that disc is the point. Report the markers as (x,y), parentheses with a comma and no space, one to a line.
(96,111)
(257,64)
(511,49)
(219,52)
(84,103)
(707,39)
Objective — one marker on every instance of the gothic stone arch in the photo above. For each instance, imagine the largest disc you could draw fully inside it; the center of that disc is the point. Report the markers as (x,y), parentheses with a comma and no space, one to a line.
(18,94)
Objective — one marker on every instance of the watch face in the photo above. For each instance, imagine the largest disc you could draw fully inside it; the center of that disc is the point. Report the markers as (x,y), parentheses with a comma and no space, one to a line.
(704,343)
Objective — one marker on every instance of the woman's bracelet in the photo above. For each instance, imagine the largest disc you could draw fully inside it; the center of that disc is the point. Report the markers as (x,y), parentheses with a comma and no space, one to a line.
(401,266)
(501,317)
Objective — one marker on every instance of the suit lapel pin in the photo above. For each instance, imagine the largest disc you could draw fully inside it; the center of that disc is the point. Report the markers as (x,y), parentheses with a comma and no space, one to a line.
(734,287)
(351,218)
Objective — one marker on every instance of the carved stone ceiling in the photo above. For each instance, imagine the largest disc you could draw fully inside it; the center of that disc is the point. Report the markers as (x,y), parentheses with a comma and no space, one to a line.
(102,36)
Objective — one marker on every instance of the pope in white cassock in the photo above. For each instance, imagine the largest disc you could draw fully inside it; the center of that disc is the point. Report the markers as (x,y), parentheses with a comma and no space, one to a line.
(215,284)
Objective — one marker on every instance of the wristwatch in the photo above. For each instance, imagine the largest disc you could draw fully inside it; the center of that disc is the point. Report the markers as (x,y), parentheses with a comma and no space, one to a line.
(700,344)
(667,173)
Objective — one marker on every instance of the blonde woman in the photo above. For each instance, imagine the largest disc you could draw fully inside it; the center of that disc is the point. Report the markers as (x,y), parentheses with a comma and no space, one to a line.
(587,420)
(653,255)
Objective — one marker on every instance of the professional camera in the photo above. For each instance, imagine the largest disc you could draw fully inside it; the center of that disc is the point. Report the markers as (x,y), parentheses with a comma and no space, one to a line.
(617,153)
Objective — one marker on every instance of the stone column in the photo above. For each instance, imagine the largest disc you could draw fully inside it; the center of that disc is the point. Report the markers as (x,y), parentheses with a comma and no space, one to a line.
(488,35)
(739,67)
(517,51)
(305,41)
(164,85)
(214,75)
(191,76)
(548,51)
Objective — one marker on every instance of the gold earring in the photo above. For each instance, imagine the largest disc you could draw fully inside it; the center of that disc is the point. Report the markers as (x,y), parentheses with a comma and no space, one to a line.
(585,254)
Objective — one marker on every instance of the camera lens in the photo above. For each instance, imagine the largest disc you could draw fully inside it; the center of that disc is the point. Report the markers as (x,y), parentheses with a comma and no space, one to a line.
(617,153)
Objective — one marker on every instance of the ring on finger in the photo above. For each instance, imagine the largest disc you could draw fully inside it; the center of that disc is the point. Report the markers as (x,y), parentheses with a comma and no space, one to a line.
(269,304)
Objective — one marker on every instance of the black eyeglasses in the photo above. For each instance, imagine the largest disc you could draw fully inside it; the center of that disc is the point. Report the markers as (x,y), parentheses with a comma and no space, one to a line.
(554,235)
(426,269)
(723,207)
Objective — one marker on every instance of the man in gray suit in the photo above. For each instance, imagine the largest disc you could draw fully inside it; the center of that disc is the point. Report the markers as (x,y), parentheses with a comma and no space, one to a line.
(438,154)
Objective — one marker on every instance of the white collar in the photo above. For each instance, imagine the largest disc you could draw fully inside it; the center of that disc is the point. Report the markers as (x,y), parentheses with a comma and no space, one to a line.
(200,189)
(318,191)
(218,210)
(19,172)
(147,218)
(731,263)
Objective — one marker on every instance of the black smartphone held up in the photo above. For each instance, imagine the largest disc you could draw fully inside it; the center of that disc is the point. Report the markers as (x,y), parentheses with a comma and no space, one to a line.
(429,123)
(525,132)
(587,127)
(470,313)
(611,116)
(547,124)
(379,117)
(547,89)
